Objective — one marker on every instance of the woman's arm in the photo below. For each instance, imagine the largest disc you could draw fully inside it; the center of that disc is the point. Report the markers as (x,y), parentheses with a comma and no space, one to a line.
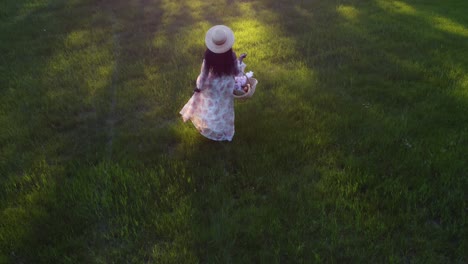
(240,65)
(202,77)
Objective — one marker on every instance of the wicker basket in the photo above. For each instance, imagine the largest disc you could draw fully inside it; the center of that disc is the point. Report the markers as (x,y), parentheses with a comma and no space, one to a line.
(251,84)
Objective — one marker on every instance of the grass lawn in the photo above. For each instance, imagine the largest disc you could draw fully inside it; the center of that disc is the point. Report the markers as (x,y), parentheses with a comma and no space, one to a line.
(353,149)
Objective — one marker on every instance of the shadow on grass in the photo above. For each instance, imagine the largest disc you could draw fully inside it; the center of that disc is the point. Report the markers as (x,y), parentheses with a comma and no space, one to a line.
(58,67)
(349,151)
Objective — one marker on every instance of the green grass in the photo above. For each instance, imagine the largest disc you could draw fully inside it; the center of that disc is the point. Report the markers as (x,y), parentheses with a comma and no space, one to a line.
(353,149)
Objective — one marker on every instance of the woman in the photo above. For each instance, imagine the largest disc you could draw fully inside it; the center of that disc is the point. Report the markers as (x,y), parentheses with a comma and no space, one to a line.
(211,108)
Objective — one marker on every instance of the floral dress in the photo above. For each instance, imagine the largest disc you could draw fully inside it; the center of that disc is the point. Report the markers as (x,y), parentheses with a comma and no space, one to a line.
(212,109)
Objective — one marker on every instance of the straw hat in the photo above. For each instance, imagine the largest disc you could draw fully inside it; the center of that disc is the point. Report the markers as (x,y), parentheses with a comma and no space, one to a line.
(219,39)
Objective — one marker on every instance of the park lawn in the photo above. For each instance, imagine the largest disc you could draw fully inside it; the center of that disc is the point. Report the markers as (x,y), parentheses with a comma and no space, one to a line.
(353,149)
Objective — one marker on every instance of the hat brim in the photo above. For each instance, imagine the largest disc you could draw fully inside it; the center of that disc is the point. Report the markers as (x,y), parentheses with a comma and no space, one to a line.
(219,48)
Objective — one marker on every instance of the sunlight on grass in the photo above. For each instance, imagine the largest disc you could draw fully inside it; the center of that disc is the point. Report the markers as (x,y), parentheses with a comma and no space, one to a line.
(449,26)
(252,36)
(30,191)
(90,65)
(78,39)
(439,22)
(398,7)
(183,54)
(302,80)
(11,233)
(348,12)
(160,40)
(184,12)
(269,50)
(171,10)
(196,8)
(33,5)
(30,7)
(462,81)
(403,7)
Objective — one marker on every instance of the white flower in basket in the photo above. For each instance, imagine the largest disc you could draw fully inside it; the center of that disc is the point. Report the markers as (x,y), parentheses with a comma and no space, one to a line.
(244,83)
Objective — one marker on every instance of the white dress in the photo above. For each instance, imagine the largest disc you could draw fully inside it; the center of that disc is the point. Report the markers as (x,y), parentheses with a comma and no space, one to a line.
(212,109)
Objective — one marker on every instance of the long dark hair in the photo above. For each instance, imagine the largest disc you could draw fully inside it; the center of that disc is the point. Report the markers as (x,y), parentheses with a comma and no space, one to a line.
(221,63)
